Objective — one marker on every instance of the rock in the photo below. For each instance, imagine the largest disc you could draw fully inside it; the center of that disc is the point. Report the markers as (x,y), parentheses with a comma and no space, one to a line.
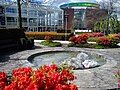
(118,44)
(82,56)
(81,61)
(73,63)
(90,63)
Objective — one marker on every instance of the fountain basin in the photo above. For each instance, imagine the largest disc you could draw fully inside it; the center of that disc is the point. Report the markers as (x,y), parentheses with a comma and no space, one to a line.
(58,57)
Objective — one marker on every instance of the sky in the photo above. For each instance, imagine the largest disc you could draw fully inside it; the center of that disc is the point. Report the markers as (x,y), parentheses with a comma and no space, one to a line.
(62,1)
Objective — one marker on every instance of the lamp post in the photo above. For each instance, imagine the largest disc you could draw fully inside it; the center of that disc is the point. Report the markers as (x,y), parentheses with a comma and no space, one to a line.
(66,25)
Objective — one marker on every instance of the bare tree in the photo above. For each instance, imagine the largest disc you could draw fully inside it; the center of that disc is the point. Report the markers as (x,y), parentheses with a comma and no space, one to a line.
(111,7)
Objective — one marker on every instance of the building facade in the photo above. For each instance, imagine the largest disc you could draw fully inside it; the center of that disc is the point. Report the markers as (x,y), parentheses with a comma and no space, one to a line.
(35,16)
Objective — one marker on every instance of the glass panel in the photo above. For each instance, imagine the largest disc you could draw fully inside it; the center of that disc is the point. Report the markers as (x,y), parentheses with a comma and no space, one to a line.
(79,17)
(11,10)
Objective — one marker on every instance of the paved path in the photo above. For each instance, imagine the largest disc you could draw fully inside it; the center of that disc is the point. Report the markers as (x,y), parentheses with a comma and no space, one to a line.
(100,78)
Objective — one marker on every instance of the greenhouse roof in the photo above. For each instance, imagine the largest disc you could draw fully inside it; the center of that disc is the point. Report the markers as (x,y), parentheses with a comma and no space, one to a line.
(79,4)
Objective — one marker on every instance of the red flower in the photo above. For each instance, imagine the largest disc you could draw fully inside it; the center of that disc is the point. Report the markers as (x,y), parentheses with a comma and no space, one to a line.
(12,86)
(53,67)
(22,72)
(48,37)
(2,77)
(96,34)
(32,86)
(103,41)
(81,39)
(73,87)
(45,78)
(58,87)
(2,85)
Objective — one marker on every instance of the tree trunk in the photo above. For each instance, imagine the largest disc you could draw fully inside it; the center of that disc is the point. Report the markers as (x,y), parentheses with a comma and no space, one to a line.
(19,14)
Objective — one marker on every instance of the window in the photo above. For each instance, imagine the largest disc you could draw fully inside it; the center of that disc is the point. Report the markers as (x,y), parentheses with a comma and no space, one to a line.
(24,11)
(11,10)
(41,13)
(32,21)
(33,13)
(11,19)
(24,19)
(59,22)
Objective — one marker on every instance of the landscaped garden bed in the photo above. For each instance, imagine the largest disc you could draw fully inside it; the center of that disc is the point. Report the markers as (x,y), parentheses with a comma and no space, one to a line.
(48,42)
(101,41)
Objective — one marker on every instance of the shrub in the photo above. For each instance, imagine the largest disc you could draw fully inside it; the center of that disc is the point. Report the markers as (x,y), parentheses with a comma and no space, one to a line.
(81,39)
(55,44)
(41,35)
(117,74)
(118,36)
(99,47)
(92,39)
(73,39)
(96,34)
(114,39)
(103,41)
(45,78)
(71,44)
(48,38)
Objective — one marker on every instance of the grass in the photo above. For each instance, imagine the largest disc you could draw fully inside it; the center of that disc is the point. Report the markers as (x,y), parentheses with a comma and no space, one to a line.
(87,45)
(51,43)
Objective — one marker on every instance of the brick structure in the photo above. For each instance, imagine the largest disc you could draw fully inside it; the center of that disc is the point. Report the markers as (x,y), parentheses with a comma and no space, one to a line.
(81,15)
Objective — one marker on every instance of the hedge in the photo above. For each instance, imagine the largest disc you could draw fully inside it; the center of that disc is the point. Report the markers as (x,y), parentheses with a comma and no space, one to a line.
(41,35)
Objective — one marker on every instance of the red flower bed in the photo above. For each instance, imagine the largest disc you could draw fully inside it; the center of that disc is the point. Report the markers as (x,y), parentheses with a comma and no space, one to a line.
(45,78)
(81,39)
(103,41)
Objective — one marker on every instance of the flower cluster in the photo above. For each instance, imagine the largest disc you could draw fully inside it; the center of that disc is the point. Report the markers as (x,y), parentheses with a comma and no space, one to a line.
(3,80)
(118,35)
(96,34)
(117,74)
(44,78)
(103,41)
(81,39)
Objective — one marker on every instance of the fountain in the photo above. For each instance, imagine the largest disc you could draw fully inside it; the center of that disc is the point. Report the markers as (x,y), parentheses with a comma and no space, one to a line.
(82,61)
(76,60)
